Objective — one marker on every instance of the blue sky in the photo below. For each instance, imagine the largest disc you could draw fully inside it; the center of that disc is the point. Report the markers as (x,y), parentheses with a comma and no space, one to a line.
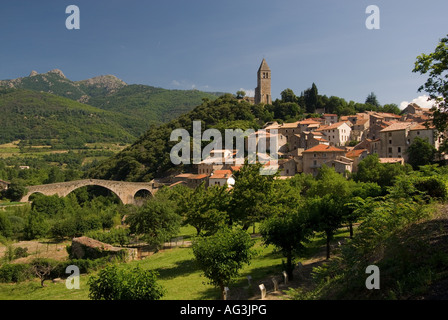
(218,45)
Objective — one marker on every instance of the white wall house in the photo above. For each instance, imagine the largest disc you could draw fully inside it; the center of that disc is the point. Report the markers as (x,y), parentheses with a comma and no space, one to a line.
(221,178)
(337,134)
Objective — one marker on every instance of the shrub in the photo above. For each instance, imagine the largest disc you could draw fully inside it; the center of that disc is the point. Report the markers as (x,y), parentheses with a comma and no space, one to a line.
(15,273)
(125,284)
(119,236)
(85,266)
(433,186)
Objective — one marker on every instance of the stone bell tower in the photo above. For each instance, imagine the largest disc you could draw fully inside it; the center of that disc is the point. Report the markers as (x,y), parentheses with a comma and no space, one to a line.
(263,90)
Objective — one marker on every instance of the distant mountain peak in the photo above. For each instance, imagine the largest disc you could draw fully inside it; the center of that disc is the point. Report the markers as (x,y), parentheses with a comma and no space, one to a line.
(33,73)
(58,72)
(104,80)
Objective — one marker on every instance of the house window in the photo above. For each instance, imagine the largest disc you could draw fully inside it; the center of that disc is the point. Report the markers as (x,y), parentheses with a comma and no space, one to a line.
(390,141)
(390,150)
(315,155)
(325,155)
(418,132)
(390,134)
(399,149)
(315,162)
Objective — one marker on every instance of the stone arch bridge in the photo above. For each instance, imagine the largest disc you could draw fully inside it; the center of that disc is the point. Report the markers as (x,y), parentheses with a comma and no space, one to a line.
(126,191)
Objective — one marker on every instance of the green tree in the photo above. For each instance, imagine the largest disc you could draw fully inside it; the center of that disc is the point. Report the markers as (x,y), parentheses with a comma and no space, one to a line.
(17,189)
(5,225)
(327,202)
(251,195)
(49,205)
(222,255)
(435,65)
(391,108)
(240,94)
(36,225)
(157,220)
(205,208)
(372,99)
(311,97)
(360,191)
(420,153)
(113,283)
(285,110)
(288,95)
(55,175)
(371,170)
(287,232)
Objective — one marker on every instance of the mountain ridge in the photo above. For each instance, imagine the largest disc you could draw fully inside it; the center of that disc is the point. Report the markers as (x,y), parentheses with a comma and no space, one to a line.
(55,82)
(134,108)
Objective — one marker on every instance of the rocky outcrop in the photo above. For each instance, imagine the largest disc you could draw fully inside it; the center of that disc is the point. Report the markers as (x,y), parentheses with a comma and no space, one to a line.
(109,82)
(58,72)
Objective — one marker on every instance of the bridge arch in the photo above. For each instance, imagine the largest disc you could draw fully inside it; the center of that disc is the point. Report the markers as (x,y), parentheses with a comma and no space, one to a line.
(125,191)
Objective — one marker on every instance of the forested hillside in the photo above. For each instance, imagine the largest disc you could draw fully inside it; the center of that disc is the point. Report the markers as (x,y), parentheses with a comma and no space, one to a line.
(40,117)
(150,105)
(116,111)
(149,156)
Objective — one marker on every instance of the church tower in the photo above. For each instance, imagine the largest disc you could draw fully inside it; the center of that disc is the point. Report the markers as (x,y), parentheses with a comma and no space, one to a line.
(263,90)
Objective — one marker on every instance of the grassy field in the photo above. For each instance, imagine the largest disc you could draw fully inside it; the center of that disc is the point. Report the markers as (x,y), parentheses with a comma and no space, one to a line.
(12,149)
(178,274)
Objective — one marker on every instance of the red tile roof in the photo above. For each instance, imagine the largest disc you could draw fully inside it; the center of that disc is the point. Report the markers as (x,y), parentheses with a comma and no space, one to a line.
(355,153)
(323,148)
(221,174)
(333,126)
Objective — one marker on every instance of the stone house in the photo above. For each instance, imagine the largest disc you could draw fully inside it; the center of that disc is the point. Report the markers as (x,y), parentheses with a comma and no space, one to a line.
(330,118)
(314,158)
(4,185)
(415,109)
(396,138)
(357,155)
(379,121)
(287,167)
(268,137)
(221,178)
(309,125)
(359,129)
(341,164)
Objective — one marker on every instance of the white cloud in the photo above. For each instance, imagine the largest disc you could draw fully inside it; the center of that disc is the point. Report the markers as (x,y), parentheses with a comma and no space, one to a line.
(422,101)
(249,92)
(175,83)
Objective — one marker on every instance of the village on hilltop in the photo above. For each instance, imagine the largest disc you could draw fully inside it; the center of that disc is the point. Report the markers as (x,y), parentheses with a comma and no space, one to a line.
(305,146)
